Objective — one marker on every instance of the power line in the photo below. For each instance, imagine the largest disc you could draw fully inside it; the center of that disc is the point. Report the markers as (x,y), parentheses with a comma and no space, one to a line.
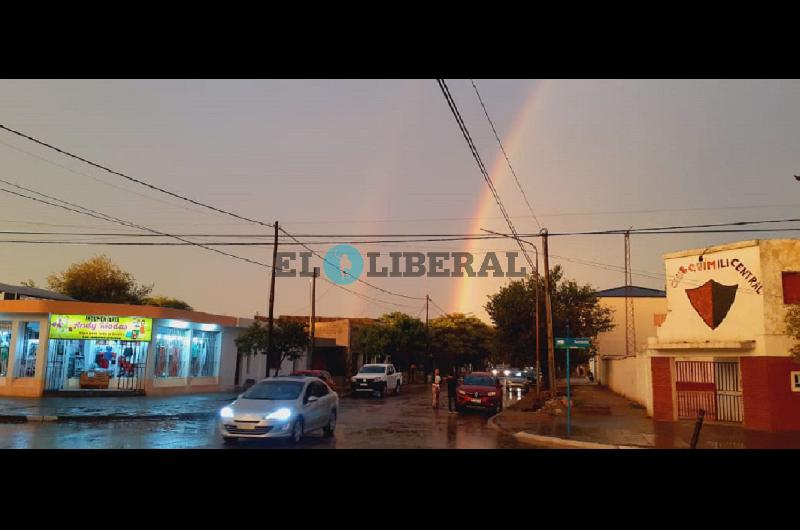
(195,202)
(473,149)
(438,307)
(497,136)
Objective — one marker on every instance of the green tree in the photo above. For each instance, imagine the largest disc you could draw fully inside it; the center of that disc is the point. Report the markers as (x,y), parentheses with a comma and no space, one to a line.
(98,279)
(512,311)
(396,335)
(289,341)
(793,329)
(166,301)
(458,339)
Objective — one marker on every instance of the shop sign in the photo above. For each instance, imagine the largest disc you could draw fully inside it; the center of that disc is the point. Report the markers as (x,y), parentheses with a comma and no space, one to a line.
(87,327)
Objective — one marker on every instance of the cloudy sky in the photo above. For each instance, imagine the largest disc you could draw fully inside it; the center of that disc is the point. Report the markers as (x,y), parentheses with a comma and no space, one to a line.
(374,157)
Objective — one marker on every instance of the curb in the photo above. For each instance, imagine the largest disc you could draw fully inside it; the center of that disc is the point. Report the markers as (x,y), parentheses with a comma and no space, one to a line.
(536,439)
(9,418)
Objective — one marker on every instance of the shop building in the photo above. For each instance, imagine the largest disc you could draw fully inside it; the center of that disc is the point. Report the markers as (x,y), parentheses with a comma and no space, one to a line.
(54,346)
(723,346)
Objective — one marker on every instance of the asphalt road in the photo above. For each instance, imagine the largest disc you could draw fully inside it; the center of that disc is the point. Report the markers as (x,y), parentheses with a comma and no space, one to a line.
(406,421)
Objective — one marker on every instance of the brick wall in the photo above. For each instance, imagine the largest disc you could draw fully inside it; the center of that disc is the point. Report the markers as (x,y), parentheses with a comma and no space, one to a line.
(769,404)
(663,404)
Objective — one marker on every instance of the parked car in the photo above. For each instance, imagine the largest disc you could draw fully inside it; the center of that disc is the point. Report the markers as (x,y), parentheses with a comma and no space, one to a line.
(480,390)
(280,407)
(322,374)
(517,379)
(376,379)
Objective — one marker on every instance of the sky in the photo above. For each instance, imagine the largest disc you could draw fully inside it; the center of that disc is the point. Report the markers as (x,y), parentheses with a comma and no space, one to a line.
(386,156)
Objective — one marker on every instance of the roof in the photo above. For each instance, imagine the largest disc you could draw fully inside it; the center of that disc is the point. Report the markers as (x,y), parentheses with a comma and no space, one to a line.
(634,292)
(34,292)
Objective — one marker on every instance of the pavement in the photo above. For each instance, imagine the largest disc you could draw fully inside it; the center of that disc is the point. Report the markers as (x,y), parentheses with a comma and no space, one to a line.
(404,421)
(196,406)
(603,419)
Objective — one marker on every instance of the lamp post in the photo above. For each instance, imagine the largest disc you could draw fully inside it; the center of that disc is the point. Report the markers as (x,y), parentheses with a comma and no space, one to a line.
(536,302)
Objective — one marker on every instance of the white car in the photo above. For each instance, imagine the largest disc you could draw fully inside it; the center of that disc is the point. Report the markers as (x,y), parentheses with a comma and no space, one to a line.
(280,407)
(376,379)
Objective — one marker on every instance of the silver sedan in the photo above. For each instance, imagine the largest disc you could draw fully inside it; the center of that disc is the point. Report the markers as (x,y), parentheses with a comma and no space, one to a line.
(280,407)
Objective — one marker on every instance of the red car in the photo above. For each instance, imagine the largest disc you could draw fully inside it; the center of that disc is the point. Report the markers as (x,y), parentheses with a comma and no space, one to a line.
(322,374)
(480,389)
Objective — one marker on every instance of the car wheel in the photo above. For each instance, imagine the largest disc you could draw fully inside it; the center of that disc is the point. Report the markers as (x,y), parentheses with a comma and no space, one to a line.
(331,427)
(397,388)
(379,392)
(297,430)
(229,440)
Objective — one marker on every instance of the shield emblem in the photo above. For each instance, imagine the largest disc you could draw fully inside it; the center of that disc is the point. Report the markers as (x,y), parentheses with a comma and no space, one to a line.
(712,301)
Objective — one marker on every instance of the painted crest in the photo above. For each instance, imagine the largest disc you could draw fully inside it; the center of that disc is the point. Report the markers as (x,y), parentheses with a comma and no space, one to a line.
(712,301)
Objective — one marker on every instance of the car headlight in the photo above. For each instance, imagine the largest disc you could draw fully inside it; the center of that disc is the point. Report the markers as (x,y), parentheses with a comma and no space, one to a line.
(506,372)
(462,392)
(280,414)
(494,372)
(492,394)
(226,412)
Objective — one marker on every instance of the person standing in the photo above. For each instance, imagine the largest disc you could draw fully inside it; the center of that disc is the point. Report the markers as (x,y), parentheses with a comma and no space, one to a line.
(435,388)
(452,388)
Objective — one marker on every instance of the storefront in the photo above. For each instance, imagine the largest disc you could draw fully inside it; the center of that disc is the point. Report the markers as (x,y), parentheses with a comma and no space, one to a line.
(62,347)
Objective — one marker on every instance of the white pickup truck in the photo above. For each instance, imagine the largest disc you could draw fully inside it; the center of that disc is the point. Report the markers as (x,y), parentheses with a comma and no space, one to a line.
(376,379)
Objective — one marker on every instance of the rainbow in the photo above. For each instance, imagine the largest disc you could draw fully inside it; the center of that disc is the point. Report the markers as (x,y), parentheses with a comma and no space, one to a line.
(470,295)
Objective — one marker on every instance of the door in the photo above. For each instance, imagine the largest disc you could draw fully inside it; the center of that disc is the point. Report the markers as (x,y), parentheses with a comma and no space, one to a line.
(311,409)
(713,386)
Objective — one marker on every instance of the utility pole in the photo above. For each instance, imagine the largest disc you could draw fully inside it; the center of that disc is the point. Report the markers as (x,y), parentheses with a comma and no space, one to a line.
(537,362)
(630,323)
(427,336)
(313,321)
(551,357)
(271,322)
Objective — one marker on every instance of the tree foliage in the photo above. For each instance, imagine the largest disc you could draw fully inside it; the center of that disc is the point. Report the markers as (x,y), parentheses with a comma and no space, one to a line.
(166,301)
(289,342)
(458,339)
(793,329)
(512,311)
(98,279)
(398,336)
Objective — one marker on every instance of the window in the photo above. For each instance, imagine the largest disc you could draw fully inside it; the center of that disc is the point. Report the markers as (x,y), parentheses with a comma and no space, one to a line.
(791,287)
(320,390)
(26,350)
(204,353)
(5,346)
(172,352)
(795,381)
(389,370)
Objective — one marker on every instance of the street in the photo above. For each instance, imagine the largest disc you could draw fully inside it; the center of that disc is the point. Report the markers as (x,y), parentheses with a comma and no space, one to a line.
(406,421)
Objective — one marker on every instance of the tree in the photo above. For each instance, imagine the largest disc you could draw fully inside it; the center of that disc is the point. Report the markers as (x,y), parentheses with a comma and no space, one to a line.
(512,311)
(458,339)
(28,283)
(166,301)
(99,280)
(396,335)
(793,329)
(289,341)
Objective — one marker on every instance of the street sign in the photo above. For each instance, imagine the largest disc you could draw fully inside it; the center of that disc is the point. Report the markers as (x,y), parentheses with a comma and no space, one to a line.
(577,343)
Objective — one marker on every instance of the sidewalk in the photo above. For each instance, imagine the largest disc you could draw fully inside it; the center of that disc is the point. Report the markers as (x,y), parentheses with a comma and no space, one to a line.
(196,406)
(603,417)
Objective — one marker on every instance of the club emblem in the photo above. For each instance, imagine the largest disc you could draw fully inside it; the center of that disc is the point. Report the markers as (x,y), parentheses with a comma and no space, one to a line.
(712,301)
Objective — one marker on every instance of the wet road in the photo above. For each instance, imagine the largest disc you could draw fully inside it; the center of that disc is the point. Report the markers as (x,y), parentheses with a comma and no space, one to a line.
(406,421)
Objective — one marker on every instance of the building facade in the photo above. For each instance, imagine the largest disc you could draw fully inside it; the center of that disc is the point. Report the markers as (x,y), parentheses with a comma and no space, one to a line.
(723,346)
(50,346)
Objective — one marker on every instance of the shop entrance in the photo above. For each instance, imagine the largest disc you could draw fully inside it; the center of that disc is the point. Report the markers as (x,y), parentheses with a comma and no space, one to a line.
(99,365)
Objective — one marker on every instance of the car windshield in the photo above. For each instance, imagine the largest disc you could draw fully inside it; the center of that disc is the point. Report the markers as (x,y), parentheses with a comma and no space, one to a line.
(478,380)
(277,390)
(372,370)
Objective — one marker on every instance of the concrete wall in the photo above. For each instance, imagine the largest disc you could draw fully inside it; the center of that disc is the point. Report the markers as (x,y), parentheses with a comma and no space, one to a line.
(630,377)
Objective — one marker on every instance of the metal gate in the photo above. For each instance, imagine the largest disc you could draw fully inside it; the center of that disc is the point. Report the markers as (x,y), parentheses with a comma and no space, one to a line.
(713,386)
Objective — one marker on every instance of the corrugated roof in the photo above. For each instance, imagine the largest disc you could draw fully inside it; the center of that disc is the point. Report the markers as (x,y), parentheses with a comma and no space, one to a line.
(634,292)
(33,292)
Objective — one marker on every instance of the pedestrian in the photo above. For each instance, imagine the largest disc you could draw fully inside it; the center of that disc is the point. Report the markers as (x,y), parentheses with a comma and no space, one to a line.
(452,388)
(437,380)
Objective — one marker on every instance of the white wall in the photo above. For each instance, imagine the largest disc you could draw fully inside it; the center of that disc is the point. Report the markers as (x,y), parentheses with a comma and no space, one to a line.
(630,377)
